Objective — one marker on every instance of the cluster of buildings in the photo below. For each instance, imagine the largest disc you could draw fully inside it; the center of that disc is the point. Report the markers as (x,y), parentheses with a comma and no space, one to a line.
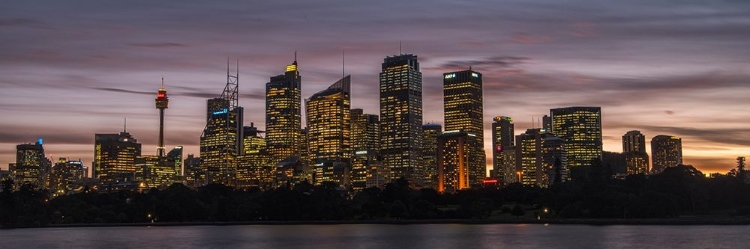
(567,144)
(353,149)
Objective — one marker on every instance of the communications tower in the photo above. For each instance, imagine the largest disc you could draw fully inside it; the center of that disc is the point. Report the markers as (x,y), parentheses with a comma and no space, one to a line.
(162,101)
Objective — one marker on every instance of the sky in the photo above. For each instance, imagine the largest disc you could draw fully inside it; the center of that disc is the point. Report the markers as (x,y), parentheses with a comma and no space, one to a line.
(70,69)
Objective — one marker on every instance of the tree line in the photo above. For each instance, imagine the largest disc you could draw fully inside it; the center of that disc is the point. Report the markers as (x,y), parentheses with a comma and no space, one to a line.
(677,191)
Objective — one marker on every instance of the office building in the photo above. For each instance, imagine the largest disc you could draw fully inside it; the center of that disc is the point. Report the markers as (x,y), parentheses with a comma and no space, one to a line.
(503,150)
(430,132)
(666,151)
(115,159)
(66,176)
(634,150)
(401,117)
(462,101)
(453,161)
(31,165)
(581,129)
(283,113)
(329,126)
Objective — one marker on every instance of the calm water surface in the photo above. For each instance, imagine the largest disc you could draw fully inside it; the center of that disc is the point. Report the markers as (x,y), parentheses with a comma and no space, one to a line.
(432,236)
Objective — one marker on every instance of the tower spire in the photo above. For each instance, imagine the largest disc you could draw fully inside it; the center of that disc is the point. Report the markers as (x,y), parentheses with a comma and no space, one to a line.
(343,64)
(125,125)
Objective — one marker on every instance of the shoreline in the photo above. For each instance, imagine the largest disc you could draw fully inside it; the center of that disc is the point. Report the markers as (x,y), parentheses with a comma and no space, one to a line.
(692,221)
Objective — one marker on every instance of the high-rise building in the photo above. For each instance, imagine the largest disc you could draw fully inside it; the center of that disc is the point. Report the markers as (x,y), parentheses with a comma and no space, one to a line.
(283,113)
(65,176)
(365,131)
(546,124)
(161,172)
(529,157)
(255,168)
(634,150)
(581,129)
(31,165)
(193,172)
(162,102)
(221,141)
(365,141)
(502,142)
(462,92)
(401,117)
(554,160)
(666,151)
(453,161)
(329,131)
(430,132)
(114,158)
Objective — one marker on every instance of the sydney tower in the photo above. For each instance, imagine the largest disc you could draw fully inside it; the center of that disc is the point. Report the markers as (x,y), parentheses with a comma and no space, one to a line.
(161,103)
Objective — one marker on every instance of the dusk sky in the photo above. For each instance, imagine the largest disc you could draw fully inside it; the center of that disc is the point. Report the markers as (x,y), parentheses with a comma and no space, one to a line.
(70,69)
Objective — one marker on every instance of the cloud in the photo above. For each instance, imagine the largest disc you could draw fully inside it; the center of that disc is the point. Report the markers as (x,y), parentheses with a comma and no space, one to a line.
(728,136)
(158,45)
(496,61)
(121,90)
(12,22)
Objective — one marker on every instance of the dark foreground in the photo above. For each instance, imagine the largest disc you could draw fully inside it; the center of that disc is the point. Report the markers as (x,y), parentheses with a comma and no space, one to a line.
(679,195)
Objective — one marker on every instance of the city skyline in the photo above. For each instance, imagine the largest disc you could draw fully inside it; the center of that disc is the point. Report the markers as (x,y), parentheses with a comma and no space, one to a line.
(87,75)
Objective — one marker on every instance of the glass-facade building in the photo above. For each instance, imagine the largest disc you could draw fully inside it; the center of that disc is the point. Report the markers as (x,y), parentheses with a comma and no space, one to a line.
(454,158)
(221,142)
(503,149)
(329,125)
(31,165)
(463,110)
(114,158)
(365,144)
(581,129)
(666,151)
(283,114)
(429,152)
(634,150)
(401,117)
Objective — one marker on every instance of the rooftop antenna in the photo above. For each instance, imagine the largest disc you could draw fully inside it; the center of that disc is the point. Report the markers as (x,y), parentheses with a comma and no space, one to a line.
(399,47)
(343,63)
(162,81)
(295,55)
(125,125)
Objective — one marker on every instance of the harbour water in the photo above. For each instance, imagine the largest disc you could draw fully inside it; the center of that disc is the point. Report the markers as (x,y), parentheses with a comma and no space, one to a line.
(432,236)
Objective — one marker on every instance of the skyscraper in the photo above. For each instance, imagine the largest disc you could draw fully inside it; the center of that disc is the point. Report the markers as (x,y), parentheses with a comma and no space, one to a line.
(30,165)
(429,152)
(162,102)
(529,160)
(221,140)
(666,151)
(401,117)
(581,129)
(365,141)
(453,161)
(462,91)
(555,160)
(114,158)
(502,141)
(65,176)
(255,168)
(634,150)
(283,113)
(329,131)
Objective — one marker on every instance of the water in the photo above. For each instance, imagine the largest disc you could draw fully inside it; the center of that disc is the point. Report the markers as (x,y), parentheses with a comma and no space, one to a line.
(432,236)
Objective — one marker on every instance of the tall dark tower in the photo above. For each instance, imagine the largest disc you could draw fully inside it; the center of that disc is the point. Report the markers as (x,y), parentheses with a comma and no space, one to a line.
(401,117)
(162,101)
(462,102)
(284,113)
